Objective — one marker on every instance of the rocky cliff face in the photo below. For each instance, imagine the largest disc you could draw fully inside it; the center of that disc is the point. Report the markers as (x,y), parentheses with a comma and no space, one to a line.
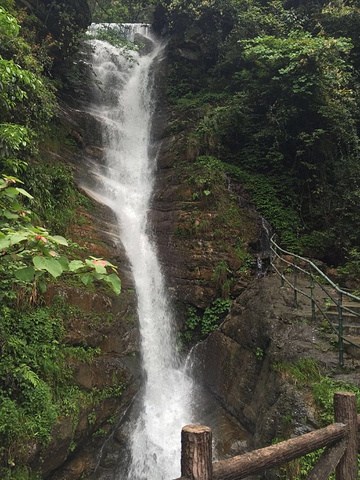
(240,362)
(202,221)
(205,233)
(97,320)
(184,221)
(199,225)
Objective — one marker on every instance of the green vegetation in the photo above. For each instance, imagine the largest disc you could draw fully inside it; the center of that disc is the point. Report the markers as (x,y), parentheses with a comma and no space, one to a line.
(222,277)
(36,382)
(38,194)
(270,90)
(200,325)
(307,374)
(30,256)
(212,214)
(122,11)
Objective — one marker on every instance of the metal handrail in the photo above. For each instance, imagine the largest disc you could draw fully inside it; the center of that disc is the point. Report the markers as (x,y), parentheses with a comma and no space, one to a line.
(305,266)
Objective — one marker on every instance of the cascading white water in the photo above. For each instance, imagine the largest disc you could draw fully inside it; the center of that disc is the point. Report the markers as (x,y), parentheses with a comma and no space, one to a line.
(124,103)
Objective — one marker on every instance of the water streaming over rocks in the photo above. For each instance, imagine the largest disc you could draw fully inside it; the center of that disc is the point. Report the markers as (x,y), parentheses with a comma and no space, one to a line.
(123,101)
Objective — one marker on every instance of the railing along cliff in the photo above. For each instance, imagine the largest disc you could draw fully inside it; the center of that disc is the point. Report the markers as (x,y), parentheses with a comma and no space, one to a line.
(334,303)
(339,439)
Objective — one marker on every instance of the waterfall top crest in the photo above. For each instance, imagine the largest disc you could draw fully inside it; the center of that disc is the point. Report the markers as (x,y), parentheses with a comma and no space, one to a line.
(127,31)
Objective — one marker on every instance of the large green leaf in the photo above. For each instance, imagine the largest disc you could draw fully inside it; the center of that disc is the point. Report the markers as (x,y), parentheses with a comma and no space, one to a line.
(11,192)
(18,237)
(4,243)
(24,192)
(64,262)
(40,263)
(114,281)
(54,267)
(51,265)
(75,265)
(9,215)
(25,274)
(87,278)
(98,265)
(42,285)
(59,239)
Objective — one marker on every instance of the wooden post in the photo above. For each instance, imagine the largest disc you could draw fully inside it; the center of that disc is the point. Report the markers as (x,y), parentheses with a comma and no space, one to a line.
(196,452)
(345,412)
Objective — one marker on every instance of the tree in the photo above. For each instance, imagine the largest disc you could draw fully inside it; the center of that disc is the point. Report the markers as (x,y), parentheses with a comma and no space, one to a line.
(29,253)
(277,100)
(121,11)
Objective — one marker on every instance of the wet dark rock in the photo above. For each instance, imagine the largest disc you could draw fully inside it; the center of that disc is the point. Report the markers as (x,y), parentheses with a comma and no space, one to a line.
(185,228)
(237,362)
(98,320)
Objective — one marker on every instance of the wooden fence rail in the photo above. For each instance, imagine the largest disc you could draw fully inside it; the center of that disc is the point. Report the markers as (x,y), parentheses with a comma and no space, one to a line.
(339,439)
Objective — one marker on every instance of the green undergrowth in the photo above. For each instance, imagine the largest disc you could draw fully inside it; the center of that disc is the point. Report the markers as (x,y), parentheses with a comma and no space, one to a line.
(269,199)
(55,198)
(37,195)
(90,319)
(199,325)
(270,89)
(309,377)
(50,180)
(307,373)
(37,386)
(19,473)
(269,195)
(209,177)
(209,195)
(212,219)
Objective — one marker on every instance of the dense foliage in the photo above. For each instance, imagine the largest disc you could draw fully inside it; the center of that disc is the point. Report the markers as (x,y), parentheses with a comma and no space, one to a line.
(266,92)
(271,89)
(119,11)
(36,381)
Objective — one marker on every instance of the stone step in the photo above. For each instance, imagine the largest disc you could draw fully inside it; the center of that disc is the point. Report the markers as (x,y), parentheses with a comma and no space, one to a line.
(354,339)
(351,323)
(352,349)
(348,330)
(351,330)
(347,307)
(347,317)
(349,348)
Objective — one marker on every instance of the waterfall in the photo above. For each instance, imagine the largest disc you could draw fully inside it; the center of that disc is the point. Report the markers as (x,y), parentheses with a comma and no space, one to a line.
(124,102)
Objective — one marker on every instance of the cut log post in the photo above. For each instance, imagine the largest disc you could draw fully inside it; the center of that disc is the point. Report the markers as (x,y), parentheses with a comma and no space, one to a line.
(196,452)
(345,412)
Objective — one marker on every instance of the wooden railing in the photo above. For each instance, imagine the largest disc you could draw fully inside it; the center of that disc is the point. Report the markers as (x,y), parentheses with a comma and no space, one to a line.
(340,441)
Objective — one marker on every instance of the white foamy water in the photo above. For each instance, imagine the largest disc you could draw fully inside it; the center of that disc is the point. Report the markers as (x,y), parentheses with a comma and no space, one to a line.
(124,103)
